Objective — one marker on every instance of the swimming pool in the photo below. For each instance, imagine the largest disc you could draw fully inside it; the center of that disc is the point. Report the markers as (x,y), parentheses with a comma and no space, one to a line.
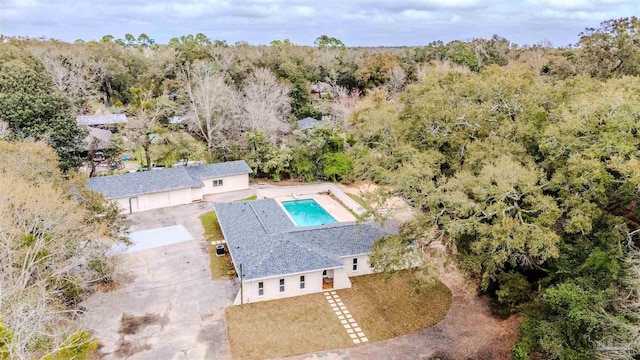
(307,212)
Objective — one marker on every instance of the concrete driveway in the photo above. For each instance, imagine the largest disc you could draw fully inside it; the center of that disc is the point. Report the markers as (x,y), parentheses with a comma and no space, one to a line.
(167,306)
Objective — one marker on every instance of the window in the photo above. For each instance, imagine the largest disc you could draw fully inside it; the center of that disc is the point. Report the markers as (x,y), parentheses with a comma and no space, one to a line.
(217,182)
(302,282)
(355,264)
(281,285)
(260,288)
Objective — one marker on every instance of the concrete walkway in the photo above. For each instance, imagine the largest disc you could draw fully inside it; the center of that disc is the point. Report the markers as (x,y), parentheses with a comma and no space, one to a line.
(346,319)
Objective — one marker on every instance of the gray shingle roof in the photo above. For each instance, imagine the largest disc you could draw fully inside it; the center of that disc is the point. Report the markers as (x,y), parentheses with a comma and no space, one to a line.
(308,123)
(220,169)
(101,119)
(102,138)
(145,182)
(263,238)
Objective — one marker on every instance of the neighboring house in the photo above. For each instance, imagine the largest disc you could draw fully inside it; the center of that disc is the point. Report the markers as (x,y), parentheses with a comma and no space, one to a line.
(98,139)
(321,89)
(280,259)
(98,120)
(177,119)
(308,123)
(146,190)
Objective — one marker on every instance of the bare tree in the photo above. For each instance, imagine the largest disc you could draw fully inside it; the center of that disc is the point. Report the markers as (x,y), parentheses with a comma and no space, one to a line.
(344,102)
(397,80)
(50,244)
(75,74)
(212,109)
(265,104)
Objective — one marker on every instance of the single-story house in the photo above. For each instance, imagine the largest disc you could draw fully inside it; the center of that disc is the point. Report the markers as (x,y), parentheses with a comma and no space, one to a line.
(103,119)
(308,123)
(97,139)
(276,259)
(155,189)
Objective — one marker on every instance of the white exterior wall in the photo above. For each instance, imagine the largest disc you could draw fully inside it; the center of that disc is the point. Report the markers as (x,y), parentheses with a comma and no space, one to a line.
(340,279)
(313,284)
(156,200)
(363,265)
(230,183)
(196,194)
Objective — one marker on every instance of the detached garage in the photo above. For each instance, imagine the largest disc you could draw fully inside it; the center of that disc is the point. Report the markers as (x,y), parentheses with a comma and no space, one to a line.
(155,189)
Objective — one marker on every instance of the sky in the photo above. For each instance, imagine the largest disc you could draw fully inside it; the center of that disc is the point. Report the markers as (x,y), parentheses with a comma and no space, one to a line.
(354,22)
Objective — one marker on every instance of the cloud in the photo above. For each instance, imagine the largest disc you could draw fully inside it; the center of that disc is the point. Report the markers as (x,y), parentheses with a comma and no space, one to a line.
(356,22)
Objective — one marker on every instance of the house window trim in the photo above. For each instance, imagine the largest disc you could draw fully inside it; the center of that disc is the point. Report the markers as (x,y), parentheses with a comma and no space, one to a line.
(218,182)
(355,264)
(282,288)
(260,288)
(302,282)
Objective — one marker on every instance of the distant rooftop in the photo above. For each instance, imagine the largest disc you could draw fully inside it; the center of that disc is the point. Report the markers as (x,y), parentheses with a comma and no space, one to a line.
(145,182)
(308,123)
(105,119)
(262,237)
(102,138)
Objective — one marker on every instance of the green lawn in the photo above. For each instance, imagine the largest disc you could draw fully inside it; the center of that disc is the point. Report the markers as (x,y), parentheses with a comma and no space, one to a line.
(360,201)
(221,266)
(212,229)
(250,198)
(303,324)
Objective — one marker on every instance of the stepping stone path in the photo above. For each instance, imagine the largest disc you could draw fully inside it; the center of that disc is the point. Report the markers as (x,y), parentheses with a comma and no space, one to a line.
(218,242)
(348,322)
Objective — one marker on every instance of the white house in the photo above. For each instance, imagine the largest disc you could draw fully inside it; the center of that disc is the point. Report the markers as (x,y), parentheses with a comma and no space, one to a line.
(277,259)
(155,189)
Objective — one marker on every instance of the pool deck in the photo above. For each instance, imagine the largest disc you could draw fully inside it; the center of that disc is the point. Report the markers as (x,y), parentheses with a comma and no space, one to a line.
(333,207)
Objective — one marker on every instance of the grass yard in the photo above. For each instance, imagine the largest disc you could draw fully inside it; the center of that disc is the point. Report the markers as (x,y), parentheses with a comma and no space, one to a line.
(250,198)
(387,309)
(284,327)
(306,323)
(212,229)
(360,201)
(221,266)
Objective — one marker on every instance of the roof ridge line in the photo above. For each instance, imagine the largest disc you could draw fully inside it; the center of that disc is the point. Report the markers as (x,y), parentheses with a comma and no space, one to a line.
(258,217)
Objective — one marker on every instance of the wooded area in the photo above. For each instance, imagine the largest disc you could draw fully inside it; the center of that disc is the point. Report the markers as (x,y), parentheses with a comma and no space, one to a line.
(522,160)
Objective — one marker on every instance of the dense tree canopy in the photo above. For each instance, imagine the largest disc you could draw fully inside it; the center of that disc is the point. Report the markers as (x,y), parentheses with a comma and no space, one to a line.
(523,160)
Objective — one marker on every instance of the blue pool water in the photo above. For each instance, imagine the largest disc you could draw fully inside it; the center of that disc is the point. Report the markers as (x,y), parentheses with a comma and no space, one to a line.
(307,212)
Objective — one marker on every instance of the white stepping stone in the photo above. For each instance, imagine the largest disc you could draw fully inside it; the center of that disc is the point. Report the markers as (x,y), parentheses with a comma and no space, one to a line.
(331,301)
(343,322)
(349,331)
(346,311)
(361,334)
(337,313)
(352,320)
(348,315)
(353,336)
(356,328)
(333,292)
(364,339)
(356,341)
(341,317)
(347,326)
(343,308)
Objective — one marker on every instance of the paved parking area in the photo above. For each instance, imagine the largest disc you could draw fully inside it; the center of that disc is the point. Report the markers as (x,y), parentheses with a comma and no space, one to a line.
(173,308)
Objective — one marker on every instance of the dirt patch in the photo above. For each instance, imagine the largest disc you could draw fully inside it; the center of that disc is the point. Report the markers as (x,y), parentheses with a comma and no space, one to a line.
(130,325)
(127,348)
(105,287)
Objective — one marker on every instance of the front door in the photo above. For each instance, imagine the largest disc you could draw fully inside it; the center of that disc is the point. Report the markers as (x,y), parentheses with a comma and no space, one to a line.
(133,205)
(327,279)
